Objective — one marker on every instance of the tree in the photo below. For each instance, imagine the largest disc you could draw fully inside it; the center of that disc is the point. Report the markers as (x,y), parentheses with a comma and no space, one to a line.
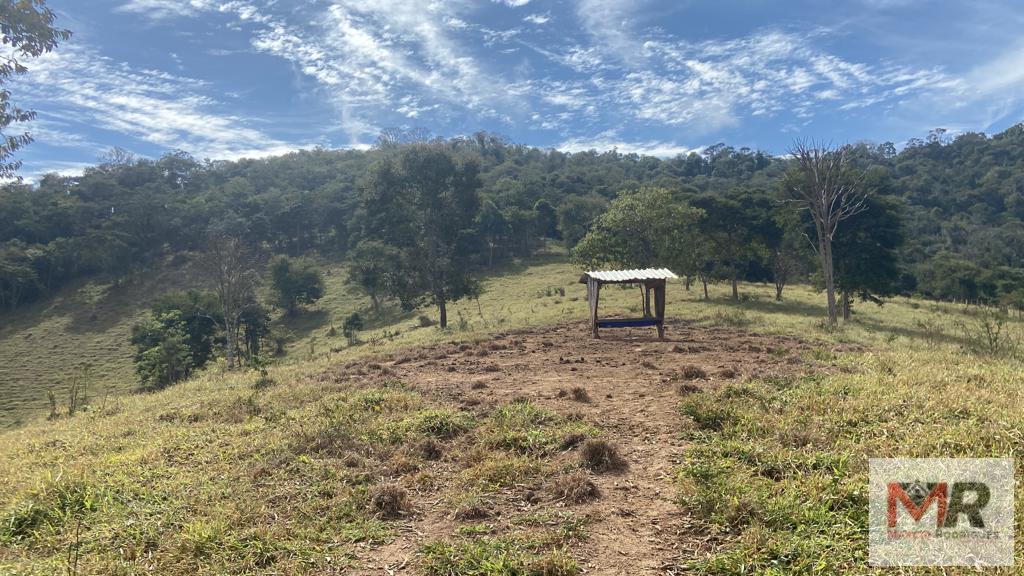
(866,262)
(295,283)
(231,266)
(351,327)
(547,219)
(576,214)
(788,250)
(423,201)
(823,183)
(737,228)
(645,228)
(26,26)
(196,312)
(162,354)
(372,266)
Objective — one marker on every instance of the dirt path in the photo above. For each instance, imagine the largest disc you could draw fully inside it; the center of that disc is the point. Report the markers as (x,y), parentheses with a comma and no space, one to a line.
(633,381)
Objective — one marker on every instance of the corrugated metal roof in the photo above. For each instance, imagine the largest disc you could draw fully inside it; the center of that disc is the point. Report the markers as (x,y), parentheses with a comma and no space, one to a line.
(631,275)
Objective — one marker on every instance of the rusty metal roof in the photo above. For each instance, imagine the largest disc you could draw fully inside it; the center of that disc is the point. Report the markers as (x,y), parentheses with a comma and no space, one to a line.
(626,276)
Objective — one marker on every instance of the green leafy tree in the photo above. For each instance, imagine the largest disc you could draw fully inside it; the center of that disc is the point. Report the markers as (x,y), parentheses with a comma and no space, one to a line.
(576,214)
(645,228)
(26,32)
(373,267)
(295,283)
(737,229)
(423,200)
(865,253)
(162,354)
(547,218)
(198,315)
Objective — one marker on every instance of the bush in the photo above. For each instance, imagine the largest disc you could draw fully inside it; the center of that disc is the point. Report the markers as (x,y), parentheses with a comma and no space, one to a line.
(351,327)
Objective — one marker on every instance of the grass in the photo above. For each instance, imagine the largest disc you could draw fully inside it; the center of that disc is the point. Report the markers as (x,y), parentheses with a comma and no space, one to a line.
(239,473)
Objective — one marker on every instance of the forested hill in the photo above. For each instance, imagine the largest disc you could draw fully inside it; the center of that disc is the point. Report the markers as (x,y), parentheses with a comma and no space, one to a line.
(964,202)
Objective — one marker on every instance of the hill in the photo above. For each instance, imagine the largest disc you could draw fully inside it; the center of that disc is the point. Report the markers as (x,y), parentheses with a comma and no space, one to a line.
(514,444)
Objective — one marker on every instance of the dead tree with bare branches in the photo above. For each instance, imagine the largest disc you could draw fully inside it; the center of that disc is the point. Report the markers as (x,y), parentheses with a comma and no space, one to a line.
(231,266)
(825,184)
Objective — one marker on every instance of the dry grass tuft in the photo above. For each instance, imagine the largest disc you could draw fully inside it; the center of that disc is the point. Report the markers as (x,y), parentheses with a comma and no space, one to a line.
(390,501)
(691,372)
(574,488)
(602,456)
(430,449)
(579,394)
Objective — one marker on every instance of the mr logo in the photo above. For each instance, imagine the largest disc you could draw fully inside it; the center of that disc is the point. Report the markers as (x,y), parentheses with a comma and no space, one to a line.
(965,499)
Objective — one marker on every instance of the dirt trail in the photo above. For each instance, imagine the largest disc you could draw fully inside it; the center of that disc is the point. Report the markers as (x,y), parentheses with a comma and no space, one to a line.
(633,383)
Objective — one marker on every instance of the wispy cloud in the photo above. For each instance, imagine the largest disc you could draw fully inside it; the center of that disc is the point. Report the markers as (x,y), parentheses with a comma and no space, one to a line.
(538,18)
(610,141)
(81,87)
(162,9)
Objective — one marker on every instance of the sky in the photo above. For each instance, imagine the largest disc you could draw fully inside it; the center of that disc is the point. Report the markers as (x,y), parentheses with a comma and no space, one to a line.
(225,79)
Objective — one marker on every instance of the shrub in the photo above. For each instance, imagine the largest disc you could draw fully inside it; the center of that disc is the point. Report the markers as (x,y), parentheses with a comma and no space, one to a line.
(351,327)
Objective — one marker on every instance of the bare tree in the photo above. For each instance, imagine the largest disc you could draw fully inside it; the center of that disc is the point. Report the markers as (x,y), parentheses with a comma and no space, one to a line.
(231,267)
(826,186)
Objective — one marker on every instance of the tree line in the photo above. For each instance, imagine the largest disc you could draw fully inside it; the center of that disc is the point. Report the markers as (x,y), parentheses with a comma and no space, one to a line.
(960,202)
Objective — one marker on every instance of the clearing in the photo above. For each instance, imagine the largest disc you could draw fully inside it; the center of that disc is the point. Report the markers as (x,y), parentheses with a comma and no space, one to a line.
(627,384)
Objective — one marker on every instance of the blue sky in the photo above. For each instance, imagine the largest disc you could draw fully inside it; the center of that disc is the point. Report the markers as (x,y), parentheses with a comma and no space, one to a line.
(233,78)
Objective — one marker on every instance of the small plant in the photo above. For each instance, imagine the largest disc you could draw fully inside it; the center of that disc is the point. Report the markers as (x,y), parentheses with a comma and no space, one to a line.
(602,456)
(351,327)
(990,335)
(462,323)
(425,321)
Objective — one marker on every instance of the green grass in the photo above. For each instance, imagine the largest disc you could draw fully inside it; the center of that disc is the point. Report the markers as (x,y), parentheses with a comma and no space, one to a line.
(234,473)
(81,333)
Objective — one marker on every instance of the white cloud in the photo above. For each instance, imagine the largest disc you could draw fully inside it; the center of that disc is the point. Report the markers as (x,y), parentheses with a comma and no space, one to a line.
(607,141)
(538,18)
(161,9)
(81,87)
(513,3)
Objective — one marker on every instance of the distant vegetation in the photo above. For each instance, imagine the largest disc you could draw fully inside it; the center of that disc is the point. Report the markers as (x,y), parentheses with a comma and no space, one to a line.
(419,219)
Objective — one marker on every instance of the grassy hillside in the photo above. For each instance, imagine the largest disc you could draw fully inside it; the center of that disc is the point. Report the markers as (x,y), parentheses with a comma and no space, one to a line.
(81,333)
(461,452)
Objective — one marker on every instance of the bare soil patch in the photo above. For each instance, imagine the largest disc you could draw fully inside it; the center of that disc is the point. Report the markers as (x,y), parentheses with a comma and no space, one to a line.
(629,384)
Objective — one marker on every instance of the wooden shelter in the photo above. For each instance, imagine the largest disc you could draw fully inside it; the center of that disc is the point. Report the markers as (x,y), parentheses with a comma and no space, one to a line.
(649,279)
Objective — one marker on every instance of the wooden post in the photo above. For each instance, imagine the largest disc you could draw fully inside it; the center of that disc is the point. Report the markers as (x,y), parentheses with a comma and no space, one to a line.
(593,296)
(659,308)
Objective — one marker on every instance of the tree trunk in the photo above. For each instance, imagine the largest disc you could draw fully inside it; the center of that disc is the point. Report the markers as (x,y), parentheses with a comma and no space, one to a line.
(686,282)
(735,290)
(778,291)
(825,249)
(229,336)
(846,305)
(443,310)
(704,281)
(375,303)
